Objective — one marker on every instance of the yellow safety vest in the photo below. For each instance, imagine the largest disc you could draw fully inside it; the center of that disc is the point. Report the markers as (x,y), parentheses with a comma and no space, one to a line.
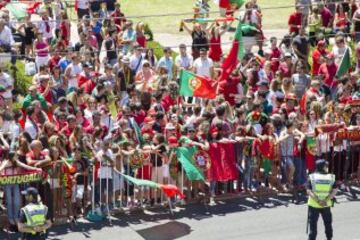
(35,214)
(321,185)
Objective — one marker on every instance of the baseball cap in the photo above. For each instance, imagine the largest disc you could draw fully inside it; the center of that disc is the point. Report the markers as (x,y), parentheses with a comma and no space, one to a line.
(30,191)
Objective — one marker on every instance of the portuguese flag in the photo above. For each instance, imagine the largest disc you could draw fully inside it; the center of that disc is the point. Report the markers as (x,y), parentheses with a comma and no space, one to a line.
(192,85)
(235,55)
(345,64)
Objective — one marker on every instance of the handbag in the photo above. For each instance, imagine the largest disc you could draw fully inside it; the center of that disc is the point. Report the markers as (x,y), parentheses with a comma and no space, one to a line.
(30,68)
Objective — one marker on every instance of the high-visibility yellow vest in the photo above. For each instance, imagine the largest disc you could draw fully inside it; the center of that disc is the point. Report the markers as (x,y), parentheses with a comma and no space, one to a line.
(35,214)
(321,185)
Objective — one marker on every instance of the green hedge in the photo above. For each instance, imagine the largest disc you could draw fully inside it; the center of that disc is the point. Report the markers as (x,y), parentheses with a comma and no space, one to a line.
(22,82)
(158,49)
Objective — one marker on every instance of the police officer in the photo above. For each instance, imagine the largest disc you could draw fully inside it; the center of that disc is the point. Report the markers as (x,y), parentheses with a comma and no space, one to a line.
(321,190)
(34,219)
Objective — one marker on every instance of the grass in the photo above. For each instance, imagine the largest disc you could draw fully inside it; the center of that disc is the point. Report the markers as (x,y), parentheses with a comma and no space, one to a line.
(272,18)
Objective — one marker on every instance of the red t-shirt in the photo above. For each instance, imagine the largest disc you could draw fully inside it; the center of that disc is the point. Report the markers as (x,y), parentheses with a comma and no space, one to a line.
(139,117)
(294,19)
(48,97)
(67,131)
(230,87)
(54,61)
(285,70)
(326,16)
(316,56)
(276,53)
(329,73)
(89,86)
(168,101)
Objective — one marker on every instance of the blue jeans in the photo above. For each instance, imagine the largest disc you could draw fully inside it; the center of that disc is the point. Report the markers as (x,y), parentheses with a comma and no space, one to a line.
(249,173)
(12,193)
(300,171)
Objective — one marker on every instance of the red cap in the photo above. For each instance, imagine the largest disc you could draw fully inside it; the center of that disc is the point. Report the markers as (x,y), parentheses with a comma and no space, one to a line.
(321,43)
(330,56)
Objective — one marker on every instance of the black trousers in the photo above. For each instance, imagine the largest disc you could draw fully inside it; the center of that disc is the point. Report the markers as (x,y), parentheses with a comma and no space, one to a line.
(313,219)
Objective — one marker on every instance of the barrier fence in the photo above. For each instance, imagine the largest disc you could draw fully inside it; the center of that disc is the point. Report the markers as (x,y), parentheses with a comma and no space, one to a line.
(224,167)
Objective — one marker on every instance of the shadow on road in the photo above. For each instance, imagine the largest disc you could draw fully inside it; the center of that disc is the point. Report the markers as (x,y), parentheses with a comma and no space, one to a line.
(168,231)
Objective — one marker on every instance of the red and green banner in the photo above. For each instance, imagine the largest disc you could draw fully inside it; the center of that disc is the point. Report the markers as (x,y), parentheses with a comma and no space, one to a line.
(223,162)
(231,3)
(192,85)
(235,55)
(328,128)
(27,177)
(345,64)
(354,103)
(351,135)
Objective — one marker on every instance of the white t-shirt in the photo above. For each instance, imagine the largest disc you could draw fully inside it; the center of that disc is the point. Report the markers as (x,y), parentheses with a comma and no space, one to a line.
(105,170)
(6,81)
(136,62)
(203,66)
(184,61)
(6,36)
(42,28)
(30,129)
(75,70)
(339,53)
(83,4)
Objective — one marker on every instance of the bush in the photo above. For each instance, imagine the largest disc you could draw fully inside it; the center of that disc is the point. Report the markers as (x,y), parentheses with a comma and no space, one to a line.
(21,81)
(158,49)
(148,32)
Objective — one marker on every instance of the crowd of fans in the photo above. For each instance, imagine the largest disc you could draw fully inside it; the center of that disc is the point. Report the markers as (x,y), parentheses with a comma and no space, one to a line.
(77,121)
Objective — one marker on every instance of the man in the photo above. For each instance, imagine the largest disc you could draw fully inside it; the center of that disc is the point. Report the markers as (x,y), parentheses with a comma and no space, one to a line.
(318,56)
(301,45)
(327,18)
(71,72)
(118,16)
(295,20)
(46,25)
(105,158)
(301,81)
(203,65)
(328,71)
(82,8)
(7,40)
(321,189)
(34,219)
(129,37)
(7,82)
(166,62)
(124,77)
(136,60)
(183,61)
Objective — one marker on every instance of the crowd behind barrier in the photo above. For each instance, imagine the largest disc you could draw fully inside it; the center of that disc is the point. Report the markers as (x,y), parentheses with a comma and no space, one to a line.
(106,125)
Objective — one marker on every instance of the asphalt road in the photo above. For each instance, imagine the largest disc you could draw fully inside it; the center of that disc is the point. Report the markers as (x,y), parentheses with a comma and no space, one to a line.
(274,218)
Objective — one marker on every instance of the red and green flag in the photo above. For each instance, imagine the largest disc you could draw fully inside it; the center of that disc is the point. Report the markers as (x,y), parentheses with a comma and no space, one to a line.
(235,55)
(345,64)
(185,156)
(169,189)
(192,85)
(228,3)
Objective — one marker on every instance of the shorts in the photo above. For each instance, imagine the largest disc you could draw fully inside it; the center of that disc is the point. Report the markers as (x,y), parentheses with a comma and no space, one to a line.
(79,193)
(165,171)
(157,174)
(54,183)
(106,182)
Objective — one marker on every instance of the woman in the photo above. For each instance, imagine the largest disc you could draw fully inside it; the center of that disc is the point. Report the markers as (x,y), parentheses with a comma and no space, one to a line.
(58,82)
(341,19)
(140,34)
(215,52)
(41,50)
(145,78)
(315,23)
(199,38)
(76,137)
(9,167)
(28,34)
(65,28)
(151,57)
